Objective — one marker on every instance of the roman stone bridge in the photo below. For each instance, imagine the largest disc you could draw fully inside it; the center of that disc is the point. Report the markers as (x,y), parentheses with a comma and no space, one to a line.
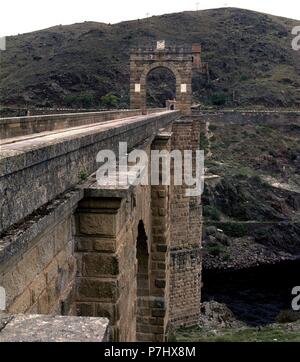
(69,247)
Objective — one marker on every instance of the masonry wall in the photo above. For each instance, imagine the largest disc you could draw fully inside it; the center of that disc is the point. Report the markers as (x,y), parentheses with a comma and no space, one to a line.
(186,227)
(160,249)
(107,240)
(106,237)
(106,278)
(185,273)
(38,267)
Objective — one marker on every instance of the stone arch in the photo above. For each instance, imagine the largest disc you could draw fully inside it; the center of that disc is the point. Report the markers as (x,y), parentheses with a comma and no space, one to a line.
(150,68)
(179,60)
(142,255)
(143,281)
(156,65)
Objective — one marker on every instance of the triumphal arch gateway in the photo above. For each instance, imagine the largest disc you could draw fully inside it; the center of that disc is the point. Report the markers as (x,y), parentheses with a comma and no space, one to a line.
(181,61)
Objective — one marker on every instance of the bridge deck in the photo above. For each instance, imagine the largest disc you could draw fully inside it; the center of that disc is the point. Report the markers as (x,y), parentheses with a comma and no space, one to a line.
(46,164)
(21,126)
(40,139)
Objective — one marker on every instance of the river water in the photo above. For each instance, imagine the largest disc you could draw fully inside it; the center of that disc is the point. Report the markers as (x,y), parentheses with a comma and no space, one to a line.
(254,295)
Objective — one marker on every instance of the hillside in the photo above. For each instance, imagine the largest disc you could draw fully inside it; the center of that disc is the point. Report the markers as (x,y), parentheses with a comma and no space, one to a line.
(250,59)
(255,198)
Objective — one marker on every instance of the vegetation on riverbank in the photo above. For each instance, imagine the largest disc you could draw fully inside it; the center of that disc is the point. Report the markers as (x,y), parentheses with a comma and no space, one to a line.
(271,333)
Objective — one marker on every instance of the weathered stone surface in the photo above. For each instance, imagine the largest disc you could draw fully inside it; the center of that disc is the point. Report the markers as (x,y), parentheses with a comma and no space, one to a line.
(36,328)
(90,289)
(40,226)
(35,271)
(99,264)
(186,221)
(85,309)
(97,224)
(185,280)
(4,320)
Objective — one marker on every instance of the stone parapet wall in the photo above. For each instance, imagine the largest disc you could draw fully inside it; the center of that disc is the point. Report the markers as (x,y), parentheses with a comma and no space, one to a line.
(37,264)
(20,126)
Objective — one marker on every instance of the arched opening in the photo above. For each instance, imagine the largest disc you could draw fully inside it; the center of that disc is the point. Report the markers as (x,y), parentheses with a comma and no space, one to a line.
(142,256)
(160,86)
(172,107)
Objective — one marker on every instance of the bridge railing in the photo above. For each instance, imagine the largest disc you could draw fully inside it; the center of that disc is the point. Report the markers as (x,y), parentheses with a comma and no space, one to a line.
(22,126)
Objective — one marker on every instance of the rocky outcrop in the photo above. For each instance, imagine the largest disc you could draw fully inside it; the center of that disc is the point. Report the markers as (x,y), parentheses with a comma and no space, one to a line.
(217,315)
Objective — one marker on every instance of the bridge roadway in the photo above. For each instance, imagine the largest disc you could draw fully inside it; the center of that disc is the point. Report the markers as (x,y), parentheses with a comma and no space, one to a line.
(39,139)
(46,164)
(21,126)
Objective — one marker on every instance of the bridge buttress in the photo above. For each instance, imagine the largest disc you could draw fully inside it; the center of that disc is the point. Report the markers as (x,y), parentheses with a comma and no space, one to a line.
(122,245)
(186,227)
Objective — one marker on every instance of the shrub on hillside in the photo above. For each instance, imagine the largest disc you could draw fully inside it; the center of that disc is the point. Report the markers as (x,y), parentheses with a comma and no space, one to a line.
(211,212)
(109,101)
(83,100)
(235,230)
(288,316)
(218,99)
